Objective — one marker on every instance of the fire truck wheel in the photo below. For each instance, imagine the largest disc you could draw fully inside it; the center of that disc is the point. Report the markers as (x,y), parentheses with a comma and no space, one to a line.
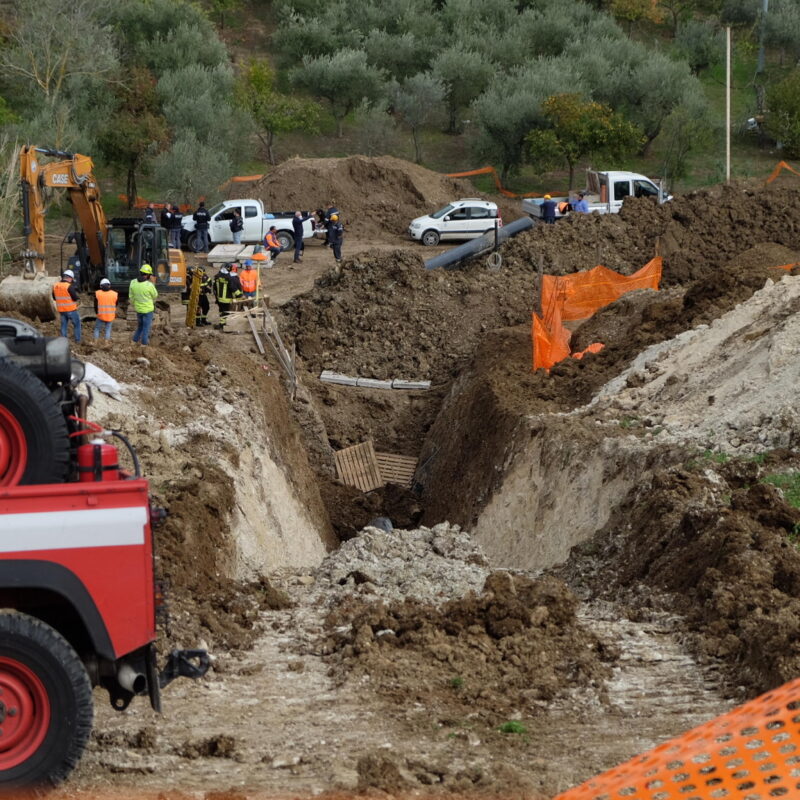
(34,445)
(45,704)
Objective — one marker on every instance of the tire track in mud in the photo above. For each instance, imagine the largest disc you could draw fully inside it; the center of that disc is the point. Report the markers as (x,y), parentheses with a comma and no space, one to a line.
(272,720)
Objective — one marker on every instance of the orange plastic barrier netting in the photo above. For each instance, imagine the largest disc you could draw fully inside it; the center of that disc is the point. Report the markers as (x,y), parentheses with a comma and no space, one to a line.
(491,171)
(750,753)
(576,297)
(779,167)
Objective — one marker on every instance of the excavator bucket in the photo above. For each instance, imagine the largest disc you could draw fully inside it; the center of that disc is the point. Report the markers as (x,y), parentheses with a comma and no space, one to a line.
(32,297)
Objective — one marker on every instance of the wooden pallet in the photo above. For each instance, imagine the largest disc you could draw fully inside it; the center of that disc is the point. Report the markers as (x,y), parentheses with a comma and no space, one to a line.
(397,469)
(357,466)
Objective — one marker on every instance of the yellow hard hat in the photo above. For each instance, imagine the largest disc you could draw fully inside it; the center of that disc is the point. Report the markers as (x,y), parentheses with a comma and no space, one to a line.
(547,197)
(335,217)
(146,269)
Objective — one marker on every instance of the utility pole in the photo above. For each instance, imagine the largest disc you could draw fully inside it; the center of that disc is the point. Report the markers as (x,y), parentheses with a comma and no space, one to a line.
(762,36)
(728,104)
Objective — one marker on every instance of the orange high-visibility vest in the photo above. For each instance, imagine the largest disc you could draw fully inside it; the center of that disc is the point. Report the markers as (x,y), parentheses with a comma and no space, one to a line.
(106,304)
(64,302)
(249,279)
(272,240)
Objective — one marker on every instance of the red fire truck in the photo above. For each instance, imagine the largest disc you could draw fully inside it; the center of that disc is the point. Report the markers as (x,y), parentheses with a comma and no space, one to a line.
(77,594)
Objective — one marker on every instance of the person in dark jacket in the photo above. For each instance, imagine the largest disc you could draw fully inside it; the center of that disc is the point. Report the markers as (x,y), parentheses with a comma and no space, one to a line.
(150,213)
(237,226)
(201,219)
(166,216)
(548,210)
(329,225)
(177,227)
(336,234)
(297,227)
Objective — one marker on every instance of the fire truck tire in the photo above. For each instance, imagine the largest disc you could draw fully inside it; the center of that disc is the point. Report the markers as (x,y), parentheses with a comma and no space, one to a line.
(45,705)
(34,443)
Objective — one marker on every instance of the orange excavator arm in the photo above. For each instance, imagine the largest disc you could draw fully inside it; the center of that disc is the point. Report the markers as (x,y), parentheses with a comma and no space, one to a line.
(75,173)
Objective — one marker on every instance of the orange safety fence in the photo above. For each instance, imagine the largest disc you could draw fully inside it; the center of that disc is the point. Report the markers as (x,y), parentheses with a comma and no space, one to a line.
(576,297)
(491,171)
(750,753)
(779,167)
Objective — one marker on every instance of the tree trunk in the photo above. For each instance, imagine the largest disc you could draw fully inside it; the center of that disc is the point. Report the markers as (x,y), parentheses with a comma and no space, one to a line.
(339,133)
(571,174)
(417,149)
(130,188)
(270,151)
(451,126)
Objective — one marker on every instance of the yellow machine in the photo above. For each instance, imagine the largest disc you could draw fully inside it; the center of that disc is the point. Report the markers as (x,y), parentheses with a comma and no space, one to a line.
(113,249)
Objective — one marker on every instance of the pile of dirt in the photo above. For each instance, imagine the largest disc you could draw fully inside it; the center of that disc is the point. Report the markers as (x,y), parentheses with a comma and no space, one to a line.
(386,317)
(377,197)
(715,544)
(507,650)
(698,233)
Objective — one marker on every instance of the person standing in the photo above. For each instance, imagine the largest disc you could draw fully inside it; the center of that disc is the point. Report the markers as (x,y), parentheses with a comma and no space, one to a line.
(272,244)
(237,226)
(298,224)
(150,213)
(66,297)
(201,219)
(177,227)
(166,216)
(548,210)
(222,293)
(328,224)
(336,231)
(249,281)
(105,300)
(581,204)
(142,294)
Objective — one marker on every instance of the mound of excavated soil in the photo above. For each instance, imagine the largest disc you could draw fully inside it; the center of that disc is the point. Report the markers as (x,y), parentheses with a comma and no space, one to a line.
(699,233)
(512,646)
(377,196)
(719,544)
(387,317)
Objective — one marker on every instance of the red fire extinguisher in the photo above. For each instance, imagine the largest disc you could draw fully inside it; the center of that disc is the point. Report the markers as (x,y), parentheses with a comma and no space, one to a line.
(98,461)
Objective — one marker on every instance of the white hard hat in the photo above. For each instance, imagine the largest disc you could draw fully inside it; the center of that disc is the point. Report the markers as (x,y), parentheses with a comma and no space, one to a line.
(105,282)
(68,273)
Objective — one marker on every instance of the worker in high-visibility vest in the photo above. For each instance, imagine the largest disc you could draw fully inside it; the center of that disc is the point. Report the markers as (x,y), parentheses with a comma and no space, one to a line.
(143,295)
(105,299)
(66,296)
(249,279)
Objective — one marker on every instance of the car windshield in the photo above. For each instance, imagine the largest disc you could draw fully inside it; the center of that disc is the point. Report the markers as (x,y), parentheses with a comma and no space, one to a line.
(442,211)
(218,207)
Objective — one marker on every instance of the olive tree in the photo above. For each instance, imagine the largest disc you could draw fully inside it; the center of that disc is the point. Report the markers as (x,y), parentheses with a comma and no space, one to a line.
(700,43)
(419,102)
(272,112)
(511,106)
(783,117)
(344,79)
(464,75)
(782,28)
(47,45)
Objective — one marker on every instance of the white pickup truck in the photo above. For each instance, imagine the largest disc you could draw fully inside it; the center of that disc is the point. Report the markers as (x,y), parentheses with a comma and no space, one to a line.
(256,224)
(605,192)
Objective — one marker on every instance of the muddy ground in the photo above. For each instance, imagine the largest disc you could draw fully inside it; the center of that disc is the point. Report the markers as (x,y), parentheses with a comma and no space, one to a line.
(562,630)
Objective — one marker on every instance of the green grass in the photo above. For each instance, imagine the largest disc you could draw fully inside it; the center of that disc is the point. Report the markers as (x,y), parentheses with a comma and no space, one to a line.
(513,726)
(457,682)
(717,456)
(788,483)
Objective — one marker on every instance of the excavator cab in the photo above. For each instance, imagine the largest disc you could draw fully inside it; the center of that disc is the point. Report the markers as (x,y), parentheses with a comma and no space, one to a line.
(132,242)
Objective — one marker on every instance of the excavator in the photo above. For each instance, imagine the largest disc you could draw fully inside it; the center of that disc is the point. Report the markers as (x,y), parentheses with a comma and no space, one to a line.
(104,248)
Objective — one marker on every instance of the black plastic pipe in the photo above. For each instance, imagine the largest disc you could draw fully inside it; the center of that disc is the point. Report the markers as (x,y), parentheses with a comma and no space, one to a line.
(452,259)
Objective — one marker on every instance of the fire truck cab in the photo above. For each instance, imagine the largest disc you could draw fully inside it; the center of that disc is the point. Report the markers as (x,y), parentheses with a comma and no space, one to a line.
(77,592)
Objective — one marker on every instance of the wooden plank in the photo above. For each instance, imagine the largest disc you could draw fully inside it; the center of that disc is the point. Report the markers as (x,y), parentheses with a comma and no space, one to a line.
(357,466)
(255,333)
(396,469)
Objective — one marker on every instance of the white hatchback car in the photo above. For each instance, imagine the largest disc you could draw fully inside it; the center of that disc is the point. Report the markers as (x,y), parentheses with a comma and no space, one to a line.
(467,218)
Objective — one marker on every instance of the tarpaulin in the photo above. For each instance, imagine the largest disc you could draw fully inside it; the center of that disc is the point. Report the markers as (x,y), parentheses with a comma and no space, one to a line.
(577,297)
